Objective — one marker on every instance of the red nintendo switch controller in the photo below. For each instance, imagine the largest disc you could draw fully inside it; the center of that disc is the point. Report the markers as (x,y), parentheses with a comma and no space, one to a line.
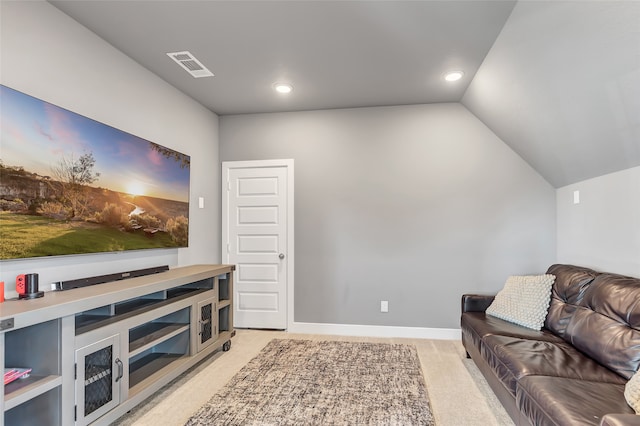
(21,285)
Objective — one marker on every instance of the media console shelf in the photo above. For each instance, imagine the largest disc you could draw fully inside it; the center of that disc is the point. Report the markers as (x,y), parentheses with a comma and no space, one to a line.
(96,352)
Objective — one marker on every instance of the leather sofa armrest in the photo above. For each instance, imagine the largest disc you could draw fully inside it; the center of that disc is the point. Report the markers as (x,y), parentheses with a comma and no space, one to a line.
(620,420)
(476,302)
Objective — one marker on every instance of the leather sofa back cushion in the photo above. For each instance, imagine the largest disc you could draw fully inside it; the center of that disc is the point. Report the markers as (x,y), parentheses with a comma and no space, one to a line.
(567,292)
(607,324)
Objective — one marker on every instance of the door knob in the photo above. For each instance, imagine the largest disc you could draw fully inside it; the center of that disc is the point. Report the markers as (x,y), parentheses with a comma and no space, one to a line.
(281,255)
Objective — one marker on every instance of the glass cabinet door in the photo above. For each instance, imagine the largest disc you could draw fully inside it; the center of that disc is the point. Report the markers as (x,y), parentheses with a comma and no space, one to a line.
(208,330)
(98,374)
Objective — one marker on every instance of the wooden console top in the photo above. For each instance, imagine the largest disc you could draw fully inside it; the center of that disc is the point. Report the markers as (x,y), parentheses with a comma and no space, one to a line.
(58,304)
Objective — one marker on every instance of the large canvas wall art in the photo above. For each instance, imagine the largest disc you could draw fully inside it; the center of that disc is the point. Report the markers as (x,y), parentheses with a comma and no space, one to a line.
(72,185)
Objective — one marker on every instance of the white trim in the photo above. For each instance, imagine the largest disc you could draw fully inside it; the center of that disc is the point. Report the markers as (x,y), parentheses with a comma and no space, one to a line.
(290,240)
(257,164)
(288,163)
(375,331)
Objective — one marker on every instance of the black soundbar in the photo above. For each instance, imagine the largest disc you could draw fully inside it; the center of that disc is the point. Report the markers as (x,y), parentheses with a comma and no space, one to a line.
(101,279)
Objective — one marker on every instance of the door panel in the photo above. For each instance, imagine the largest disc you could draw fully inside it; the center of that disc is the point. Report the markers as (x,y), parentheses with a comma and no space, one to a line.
(258,186)
(258,301)
(258,273)
(249,244)
(254,215)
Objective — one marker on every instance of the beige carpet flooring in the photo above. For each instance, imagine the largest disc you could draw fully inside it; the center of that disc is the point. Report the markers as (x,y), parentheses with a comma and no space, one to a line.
(458,393)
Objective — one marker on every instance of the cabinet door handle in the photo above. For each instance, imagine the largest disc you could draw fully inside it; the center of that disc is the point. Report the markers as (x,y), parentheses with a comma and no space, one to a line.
(120,369)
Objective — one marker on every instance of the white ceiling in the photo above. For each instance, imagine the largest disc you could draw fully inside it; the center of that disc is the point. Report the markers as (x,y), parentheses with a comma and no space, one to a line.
(337,54)
(557,81)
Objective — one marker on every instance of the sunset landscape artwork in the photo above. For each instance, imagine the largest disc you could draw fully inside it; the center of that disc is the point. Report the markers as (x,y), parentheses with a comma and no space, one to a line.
(73,185)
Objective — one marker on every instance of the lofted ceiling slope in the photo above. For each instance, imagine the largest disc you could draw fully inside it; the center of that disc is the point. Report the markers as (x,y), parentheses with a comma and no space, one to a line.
(558,81)
(561,86)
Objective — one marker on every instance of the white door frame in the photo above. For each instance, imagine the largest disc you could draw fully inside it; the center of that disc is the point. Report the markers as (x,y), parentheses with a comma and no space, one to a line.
(288,163)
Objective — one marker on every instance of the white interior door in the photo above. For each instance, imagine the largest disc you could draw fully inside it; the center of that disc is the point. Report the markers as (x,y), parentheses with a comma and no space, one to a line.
(257,219)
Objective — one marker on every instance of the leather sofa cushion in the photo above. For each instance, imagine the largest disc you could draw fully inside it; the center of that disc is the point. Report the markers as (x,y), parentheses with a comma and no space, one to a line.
(478,325)
(484,325)
(560,401)
(512,358)
(567,292)
(615,419)
(607,325)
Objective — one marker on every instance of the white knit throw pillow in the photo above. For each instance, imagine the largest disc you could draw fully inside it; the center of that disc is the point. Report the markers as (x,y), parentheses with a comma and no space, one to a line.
(632,392)
(524,300)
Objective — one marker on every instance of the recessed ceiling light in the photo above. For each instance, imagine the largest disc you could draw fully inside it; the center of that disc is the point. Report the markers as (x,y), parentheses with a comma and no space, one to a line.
(283,88)
(453,75)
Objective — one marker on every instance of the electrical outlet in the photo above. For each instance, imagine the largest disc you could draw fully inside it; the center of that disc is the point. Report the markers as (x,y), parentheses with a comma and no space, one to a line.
(384,306)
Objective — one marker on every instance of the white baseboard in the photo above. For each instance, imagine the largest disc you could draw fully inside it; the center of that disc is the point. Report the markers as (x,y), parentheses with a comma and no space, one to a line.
(375,331)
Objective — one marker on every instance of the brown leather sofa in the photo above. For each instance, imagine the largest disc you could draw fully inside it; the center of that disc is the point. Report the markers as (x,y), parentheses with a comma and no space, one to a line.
(574,370)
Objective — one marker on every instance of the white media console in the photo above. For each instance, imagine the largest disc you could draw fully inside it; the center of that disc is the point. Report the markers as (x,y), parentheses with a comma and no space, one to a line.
(98,351)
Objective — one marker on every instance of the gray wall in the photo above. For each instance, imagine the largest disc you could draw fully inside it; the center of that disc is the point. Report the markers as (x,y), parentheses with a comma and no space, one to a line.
(603,230)
(50,56)
(413,204)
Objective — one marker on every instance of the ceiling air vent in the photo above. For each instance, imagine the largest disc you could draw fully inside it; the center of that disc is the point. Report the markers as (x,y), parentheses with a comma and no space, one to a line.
(193,66)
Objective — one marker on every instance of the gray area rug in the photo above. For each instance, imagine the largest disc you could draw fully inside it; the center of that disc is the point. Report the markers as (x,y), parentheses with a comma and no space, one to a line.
(302,382)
